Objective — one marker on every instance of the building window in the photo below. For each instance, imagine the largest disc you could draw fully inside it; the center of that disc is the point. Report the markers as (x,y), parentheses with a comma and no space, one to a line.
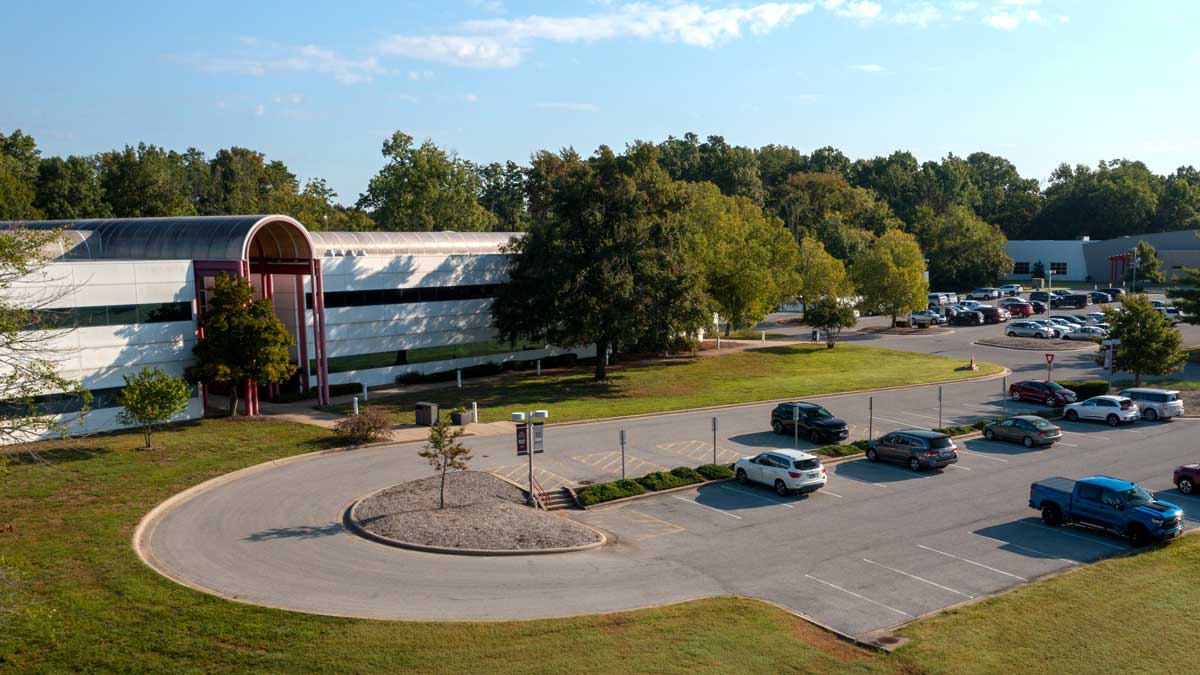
(63,404)
(404,357)
(1058,268)
(1021,268)
(401,296)
(114,315)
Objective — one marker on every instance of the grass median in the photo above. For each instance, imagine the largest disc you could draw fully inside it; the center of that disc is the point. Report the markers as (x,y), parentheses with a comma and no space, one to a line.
(74,597)
(752,375)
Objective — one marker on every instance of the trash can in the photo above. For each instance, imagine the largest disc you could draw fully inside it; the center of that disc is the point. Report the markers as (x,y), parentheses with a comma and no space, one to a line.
(427,414)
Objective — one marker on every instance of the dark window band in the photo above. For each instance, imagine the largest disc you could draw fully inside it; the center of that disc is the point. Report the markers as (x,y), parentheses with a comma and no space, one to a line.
(62,404)
(404,357)
(111,315)
(400,296)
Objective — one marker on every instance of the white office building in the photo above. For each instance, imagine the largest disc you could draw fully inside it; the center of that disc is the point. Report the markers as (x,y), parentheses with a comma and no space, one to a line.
(363,307)
(1102,262)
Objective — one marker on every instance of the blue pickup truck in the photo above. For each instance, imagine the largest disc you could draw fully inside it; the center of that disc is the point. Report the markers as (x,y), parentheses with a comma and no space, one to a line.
(1109,503)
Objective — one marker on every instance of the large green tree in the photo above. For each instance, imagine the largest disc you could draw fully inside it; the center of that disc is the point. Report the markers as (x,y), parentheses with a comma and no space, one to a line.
(18,171)
(424,189)
(145,181)
(1005,198)
(1148,269)
(825,206)
(819,274)
(502,192)
(67,189)
(1117,198)
(602,247)
(1149,344)
(243,340)
(890,276)
(963,251)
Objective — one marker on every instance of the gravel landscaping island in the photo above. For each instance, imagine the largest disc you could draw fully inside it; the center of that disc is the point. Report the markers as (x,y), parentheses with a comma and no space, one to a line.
(483,514)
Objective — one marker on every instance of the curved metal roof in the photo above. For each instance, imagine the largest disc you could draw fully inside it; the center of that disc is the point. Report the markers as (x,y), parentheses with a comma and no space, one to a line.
(337,244)
(178,238)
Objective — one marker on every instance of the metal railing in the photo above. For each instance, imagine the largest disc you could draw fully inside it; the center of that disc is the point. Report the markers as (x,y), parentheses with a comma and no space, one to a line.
(538,493)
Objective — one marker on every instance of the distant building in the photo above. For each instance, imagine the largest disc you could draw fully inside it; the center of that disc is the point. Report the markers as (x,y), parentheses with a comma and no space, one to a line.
(1102,262)
(364,307)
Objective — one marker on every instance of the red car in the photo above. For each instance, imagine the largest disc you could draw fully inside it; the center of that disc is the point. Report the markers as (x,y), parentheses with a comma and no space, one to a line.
(1049,394)
(1021,309)
(1186,478)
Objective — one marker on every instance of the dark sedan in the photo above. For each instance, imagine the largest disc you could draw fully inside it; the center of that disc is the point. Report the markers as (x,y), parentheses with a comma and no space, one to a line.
(1028,430)
(967,318)
(1186,478)
(1100,297)
(1049,394)
(1038,306)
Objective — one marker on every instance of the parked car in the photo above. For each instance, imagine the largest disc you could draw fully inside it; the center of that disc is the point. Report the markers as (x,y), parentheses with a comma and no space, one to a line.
(1112,409)
(1040,296)
(1109,503)
(1077,320)
(1021,309)
(918,449)
(970,304)
(1039,307)
(1172,313)
(1079,300)
(983,294)
(1155,404)
(994,314)
(1114,293)
(1100,297)
(1062,325)
(1049,394)
(1094,318)
(938,299)
(1028,329)
(816,423)
(1011,289)
(967,317)
(951,297)
(1186,477)
(927,318)
(1056,330)
(785,470)
(1028,430)
(1088,332)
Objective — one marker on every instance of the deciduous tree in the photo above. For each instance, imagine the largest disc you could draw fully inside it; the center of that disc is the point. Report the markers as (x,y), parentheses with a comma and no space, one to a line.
(820,275)
(443,451)
(831,315)
(963,250)
(891,275)
(1149,345)
(1148,268)
(152,397)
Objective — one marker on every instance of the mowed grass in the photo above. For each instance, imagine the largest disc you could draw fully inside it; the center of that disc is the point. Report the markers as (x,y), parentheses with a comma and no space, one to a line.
(758,374)
(75,598)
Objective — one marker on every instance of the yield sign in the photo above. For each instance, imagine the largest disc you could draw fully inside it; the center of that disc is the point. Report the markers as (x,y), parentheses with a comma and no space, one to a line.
(1049,359)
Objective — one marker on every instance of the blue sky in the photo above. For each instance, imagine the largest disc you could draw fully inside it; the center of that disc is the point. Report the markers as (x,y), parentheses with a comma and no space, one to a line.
(320,86)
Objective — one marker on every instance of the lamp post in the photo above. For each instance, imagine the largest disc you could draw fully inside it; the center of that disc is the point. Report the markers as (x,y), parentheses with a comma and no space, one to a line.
(529,439)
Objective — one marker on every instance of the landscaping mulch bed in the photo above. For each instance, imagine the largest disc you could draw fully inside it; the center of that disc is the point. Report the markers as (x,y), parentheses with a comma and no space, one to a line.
(482,512)
(1037,344)
(904,330)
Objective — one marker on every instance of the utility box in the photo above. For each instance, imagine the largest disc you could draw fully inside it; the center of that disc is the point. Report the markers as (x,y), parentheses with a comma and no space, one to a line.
(427,414)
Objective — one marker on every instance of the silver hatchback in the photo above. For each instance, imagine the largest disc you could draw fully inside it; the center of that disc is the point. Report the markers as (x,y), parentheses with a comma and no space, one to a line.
(1028,329)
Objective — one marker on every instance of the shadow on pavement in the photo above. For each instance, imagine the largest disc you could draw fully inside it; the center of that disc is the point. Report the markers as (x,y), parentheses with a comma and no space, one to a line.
(998,447)
(771,440)
(879,472)
(734,496)
(1031,538)
(298,532)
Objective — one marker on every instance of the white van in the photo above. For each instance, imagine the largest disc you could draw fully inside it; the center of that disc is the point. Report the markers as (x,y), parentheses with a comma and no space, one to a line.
(1156,404)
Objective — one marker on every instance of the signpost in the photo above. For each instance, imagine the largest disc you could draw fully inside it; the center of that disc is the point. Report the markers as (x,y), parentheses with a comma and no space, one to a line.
(622,454)
(796,426)
(1109,357)
(871,418)
(1049,366)
(529,440)
(714,425)
(939,406)
(522,439)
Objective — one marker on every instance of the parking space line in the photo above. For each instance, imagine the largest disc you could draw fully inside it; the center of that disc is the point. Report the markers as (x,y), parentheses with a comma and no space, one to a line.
(827,492)
(913,576)
(675,529)
(1074,536)
(980,454)
(1069,445)
(1132,431)
(960,468)
(1087,435)
(910,414)
(705,506)
(972,562)
(1027,548)
(860,597)
(893,421)
(747,492)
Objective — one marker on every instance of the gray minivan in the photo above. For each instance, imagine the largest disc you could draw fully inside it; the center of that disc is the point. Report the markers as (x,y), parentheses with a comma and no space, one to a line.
(1155,404)
(918,449)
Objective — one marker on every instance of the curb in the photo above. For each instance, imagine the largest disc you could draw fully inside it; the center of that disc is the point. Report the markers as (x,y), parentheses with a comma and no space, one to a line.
(351,521)
(1033,349)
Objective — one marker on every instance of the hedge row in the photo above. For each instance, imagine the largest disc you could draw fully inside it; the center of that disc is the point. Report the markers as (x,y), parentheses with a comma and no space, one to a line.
(977,425)
(651,482)
(1086,388)
(838,450)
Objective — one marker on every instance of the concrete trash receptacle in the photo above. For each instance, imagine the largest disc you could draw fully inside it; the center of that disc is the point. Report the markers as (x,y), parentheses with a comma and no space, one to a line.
(427,414)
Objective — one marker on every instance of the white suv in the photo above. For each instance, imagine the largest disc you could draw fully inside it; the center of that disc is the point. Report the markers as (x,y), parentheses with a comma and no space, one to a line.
(785,470)
(1156,404)
(1111,409)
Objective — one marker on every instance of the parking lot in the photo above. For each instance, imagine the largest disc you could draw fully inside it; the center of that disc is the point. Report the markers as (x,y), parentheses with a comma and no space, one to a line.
(881,545)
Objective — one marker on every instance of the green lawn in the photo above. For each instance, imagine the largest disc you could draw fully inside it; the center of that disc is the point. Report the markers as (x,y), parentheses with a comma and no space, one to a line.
(1163,383)
(752,334)
(740,377)
(74,597)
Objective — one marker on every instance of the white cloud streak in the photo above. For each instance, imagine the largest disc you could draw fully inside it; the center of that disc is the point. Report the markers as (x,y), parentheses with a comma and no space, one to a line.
(306,59)
(567,105)
(869,68)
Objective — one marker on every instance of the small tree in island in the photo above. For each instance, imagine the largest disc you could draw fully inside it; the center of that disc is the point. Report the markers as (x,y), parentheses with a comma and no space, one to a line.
(243,340)
(1149,344)
(151,397)
(829,315)
(444,452)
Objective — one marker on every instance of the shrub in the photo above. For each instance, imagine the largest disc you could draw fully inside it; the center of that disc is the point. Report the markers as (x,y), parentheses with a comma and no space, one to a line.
(1086,388)
(370,424)
(714,471)
(606,492)
(665,480)
(687,473)
(838,450)
(862,445)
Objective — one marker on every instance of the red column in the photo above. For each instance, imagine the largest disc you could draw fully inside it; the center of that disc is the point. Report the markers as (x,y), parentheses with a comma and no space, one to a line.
(323,358)
(302,322)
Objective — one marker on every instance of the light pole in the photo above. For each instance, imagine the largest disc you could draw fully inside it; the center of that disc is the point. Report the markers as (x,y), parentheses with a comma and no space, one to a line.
(529,439)
(1133,286)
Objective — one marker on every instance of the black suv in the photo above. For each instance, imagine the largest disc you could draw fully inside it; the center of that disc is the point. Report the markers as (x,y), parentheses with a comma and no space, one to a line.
(816,423)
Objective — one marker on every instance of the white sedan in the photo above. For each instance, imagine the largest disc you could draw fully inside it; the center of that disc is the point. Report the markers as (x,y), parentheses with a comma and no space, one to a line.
(1112,409)
(785,470)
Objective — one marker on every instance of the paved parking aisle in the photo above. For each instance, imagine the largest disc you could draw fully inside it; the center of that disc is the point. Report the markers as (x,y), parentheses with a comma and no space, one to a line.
(610,462)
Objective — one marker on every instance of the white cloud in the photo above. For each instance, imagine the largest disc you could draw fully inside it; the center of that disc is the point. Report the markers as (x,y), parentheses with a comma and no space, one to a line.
(305,59)
(260,110)
(420,74)
(853,9)
(504,43)
(567,105)
(920,14)
(288,99)
(470,98)
(1005,19)
(869,68)
(965,6)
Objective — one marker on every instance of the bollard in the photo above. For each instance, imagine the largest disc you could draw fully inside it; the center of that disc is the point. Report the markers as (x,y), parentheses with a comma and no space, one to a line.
(475,412)
(364,386)
(458,376)
(718,342)
(355,405)
(539,367)
(764,337)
